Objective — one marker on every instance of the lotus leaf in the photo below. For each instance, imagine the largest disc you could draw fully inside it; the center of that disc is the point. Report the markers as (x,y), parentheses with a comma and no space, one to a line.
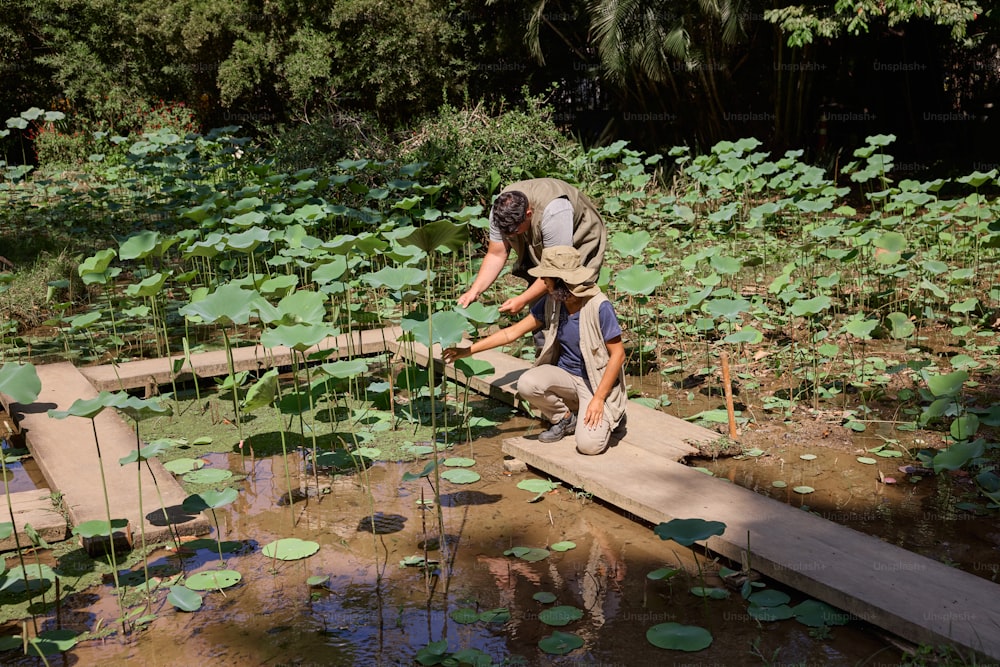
(200,502)
(679,637)
(212,580)
(561,615)
(290,548)
(461,476)
(560,643)
(528,553)
(780,612)
(465,615)
(20,382)
(183,465)
(184,598)
(207,476)
(769,598)
(499,615)
(537,485)
(663,573)
(459,462)
(815,614)
(50,642)
(688,531)
(99,528)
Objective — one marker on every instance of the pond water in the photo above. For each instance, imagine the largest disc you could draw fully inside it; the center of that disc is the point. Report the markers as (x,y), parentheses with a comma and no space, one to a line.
(893,498)
(373,611)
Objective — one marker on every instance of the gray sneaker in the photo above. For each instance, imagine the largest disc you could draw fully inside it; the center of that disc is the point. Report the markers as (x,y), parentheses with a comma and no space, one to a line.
(565,426)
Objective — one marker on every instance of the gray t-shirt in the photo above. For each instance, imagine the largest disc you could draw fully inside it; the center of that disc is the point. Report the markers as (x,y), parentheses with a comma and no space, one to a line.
(557,224)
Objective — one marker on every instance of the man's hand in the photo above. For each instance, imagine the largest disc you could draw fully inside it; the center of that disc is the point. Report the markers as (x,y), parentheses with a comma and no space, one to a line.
(454,353)
(468,298)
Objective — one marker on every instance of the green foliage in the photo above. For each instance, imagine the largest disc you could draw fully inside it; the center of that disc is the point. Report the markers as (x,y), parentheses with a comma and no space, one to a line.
(477,151)
(327,138)
(803,24)
(472,150)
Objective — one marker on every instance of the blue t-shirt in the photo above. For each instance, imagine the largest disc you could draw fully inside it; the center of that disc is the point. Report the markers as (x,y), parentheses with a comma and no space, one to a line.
(568,336)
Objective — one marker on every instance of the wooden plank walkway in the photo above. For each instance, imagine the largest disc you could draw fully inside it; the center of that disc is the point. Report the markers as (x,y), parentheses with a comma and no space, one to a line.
(66,455)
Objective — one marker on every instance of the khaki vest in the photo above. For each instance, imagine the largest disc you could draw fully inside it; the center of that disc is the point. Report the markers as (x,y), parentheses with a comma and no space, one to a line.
(590,236)
(594,351)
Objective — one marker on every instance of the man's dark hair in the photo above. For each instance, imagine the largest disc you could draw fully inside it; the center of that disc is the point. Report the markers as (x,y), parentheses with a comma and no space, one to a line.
(509,210)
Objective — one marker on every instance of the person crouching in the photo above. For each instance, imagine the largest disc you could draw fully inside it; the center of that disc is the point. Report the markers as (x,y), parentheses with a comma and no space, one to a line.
(578,380)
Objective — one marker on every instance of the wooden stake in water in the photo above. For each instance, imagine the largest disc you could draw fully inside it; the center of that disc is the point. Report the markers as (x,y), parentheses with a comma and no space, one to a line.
(727,388)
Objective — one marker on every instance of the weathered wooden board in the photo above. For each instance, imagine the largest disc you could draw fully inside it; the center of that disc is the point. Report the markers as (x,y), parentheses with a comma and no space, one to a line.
(34,508)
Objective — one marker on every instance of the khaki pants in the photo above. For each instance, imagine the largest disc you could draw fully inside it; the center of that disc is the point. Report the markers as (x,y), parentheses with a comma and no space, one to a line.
(555,392)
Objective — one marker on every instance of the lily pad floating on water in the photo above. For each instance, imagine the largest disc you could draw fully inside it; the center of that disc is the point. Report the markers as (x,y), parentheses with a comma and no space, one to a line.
(367,452)
(290,548)
(803,489)
(464,616)
(561,615)
(459,462)
(545,597)
(679,637)
(867,460)
(318,580)
(527,553)
(778,484)
(560,643)
(461,476)
(705,470)
(807,457)
(688,531)
(184,598)
(565,545)
(780,612)
(662,573)
(498,615)
(207,476)
(816,614)
(213,580)
(184,465)
(769,598)
(537,485)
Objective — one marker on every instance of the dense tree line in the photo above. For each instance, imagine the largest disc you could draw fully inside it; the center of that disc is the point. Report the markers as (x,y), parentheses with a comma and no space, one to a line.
(816,75)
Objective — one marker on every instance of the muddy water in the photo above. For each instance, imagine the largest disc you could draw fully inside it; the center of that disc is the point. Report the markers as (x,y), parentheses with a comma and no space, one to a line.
(933,515)
(372,611)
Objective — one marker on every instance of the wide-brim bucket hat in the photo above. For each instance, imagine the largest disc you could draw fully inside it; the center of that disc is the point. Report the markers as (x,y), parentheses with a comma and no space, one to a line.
(561,261)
